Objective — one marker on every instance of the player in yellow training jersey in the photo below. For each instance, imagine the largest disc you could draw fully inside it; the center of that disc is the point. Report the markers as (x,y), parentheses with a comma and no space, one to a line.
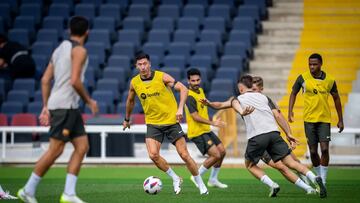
(316,86)
(162,117)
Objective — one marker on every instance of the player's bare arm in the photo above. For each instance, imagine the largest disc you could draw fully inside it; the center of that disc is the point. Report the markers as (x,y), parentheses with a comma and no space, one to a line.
(216,123)
(178,86)
(130,103)
(237,107)
(45,89)
(337,101)
(217,105)
(284,125)
(292,100)
(78,57)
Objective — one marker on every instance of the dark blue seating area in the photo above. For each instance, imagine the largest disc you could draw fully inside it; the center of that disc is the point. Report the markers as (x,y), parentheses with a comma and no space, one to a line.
(215,36)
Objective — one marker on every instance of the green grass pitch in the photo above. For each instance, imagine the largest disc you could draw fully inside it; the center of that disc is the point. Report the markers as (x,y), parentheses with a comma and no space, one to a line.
(124,184)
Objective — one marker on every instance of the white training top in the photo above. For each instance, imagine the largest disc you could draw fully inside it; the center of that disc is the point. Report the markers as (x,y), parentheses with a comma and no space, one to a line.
(63,95)
(261,120)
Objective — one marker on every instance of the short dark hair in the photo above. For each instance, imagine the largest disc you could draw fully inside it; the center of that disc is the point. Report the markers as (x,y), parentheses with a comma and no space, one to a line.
(3,38)
(78,25)
(141,55)
(246,80)
(316,56)
(193,71)
(258,81)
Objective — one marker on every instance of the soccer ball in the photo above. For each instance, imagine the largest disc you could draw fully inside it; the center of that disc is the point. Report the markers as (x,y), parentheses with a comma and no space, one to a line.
(152,185)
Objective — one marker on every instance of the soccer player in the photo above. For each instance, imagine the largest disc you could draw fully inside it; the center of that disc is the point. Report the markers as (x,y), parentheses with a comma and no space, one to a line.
(162,117)
(199,131)
(263,134)
(61,110)
(5,195)
(316,86)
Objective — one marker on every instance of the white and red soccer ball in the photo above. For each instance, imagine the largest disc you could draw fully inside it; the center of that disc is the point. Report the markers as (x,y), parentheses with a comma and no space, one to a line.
(152,185)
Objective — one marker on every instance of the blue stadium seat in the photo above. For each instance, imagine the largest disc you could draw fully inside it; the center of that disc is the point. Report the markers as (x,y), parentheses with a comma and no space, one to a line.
(228,73)
(12,107)
(104,96)
(86,10)
(90,77)
(169,11)
(219,95)
(39,2)
(195,11)
(188,36)
(112,11)
(161,36)
(207,49)
(35,107)
(223,85)
(25,22)
(94,62)
(230,3)
(189,23)
(5,13)
(123,3)
(48,35)
(180,48)
(109,84)
(33,10)
(215,23)
(134,23)
(199,2)
(100,36)
(132,36)
(179,3)
(107,23)
(201,61)
(42,48)
(60,10)
(251,11)
(13,5)
(140,10)
(163,23)
(124,49)
(261,4)
(116,73)
(120,61)
(237,49)
(154,49)
(97,3)
(98,49)
(242,36)
(28,85)
(21,36)
(21,96)
(54,22)
(70,3)
(233,61)
(221,10)
(175,61)
(146,2)
(247,24)
(41,62)
(121,108)
(104,108)
(175,72)
(212,36)
(38,96)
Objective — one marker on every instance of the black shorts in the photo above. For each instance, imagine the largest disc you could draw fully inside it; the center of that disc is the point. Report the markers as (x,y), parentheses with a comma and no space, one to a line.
(266,158)
(66,124)
(205,141)
(157,132)
(317,132)
(271,142)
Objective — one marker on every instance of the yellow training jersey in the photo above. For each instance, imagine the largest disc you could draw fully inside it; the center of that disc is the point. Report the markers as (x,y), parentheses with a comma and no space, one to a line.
(316,93)
(157,99)
(195,128)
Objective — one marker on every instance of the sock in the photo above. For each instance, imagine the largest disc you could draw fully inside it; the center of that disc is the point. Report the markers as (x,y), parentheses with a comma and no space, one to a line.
(30,187)
(324,170)
(202,170)
(199,181)
(302,185)
(1,190)
(70,184)
(266,180)
(172,174)
(214,173)
(317,170)
(311,176)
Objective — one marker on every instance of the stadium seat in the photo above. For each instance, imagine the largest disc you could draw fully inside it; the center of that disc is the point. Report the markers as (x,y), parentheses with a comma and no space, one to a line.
(175,61)
(201,61)
(38,95)
(212,36)
(35,107)
(98,49)
(195,11)
(140,10)
(132,36)
(123,3)
(124,49)
(228,73)
(179,3)
(60,10)
(207,49)
(215,23)
(236,48)
(147,2)
(47,35)
(154,49)
(199,2)
(70,3)
(104,108)
(121,107)
(21,96)
(97,3)
(169,11)
(189,23)
(163,23)
(120,61)
(180,48)
(86,10)
(100,35)
(227,86)
(109,84)
(105,23)
(134,23)
(247,24)
(25,22)
(5,13)
(175,72)
(221,10)
(105,96)
(24,119)
(21,36)
(161,36)
(13,5)
(12,107)
(3,120)
(115,73)
(28,85)
(111,11)
(54,22)
(243,36)
(90,77)
(251,11)
(31,9)
(262,6)
(42,48)
(188,36)
(233,61)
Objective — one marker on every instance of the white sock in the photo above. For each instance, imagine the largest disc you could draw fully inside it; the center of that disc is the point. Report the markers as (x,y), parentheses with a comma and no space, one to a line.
(70,184)
(311,176)
(324,170)
(199,181)
(317,170)
(214,173)
(1,190)
(30,187)
(202,170)
(302,184)
(172,174)
(265,179)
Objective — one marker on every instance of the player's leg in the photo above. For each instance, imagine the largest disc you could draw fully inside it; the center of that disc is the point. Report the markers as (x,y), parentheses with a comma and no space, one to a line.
(313,140)
(324,139)
(181,148)
(55,149)
(213,180)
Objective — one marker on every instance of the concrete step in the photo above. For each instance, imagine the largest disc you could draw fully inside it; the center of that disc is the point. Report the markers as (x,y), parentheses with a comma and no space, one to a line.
(269,25)
(288,4)
(290,47)
(266,39)
(274,66)
(272,55)
(282,32)
(286,9)
(285,18)
(286,1)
